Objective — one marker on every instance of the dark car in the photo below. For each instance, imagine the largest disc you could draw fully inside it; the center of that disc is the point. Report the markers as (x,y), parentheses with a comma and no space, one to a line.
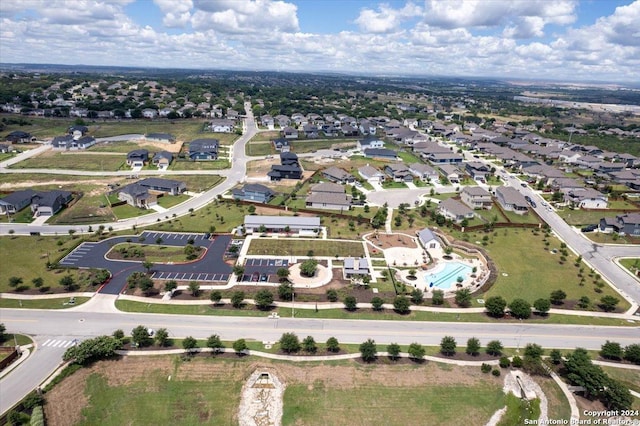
(526,197)
(589,228)
(264,277)
(533,204)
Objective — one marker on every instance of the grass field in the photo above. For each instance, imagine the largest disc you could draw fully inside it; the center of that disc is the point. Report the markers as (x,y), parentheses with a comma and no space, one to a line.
(208,391)
(519,254)
(260,148)
(57,303)
(631,264)
(152,253)
(200,165)
(628,377)
(84,161)
(297,247)
(12,339)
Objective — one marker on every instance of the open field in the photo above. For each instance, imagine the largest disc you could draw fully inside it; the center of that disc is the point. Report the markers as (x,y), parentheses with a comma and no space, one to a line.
(260,148)
(183,130)
(81,160)
(207,390)
(297,247)
(519,253)
(41,128)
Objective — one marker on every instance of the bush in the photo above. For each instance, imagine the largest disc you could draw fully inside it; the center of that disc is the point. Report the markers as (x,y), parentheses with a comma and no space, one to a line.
(350,303)
(240,346)
(368,350)
(215,296)
(376,303)
(611,350)
(520,308)
(332,295)
(289,343)
(37,416)
(448,346)
(417,296)
(632,353)
(516,362)
(557,297)
(92,349)
(463,298)
(263,299)
(505,362)
(555,356)
(485,368)
(416,351)
(473,346)
(237,298)
(494,348)
(333,345)
(495,372)
(438,297)
(495,306)
(401,304)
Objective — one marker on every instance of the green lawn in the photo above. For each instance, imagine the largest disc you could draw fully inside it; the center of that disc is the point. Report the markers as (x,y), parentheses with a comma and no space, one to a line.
(200,165)
(20,339)
(631,264)
(152,253)
(57,303)
(224,216)
(519,254)
(183,130)
(260,148)
(41,127)
(314,145)
(299,247)
(84,161)
(125,211)
(169,201)
(390,402)
(389,184)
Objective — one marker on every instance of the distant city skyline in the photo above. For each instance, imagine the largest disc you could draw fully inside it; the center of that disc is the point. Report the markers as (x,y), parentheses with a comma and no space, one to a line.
(565,40)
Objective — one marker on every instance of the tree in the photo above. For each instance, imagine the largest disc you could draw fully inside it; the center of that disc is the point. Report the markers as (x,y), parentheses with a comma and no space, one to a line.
(416,351)
(393,350)
(332,295)
(401,304)
(617,396)
(170,285)
(308,267)
(68,283)
(368,350)
(376,303)
(542,306)
(145,284)
(289,343)
(215,343)
(520,308)
(533,351)
(3,331)
(118,334)
(37,282)
(350,303)
(240,346)
(448,346)
(263,299)
(557,297)
(285,291)
(162,337)
(494,348)
(495,306)
(215,296)
(309,345)
(140,336)
(473,346)
(92,349)
(332,344)
(437,297)
(417,296)
(608,303)
(237,298)
(584,302)
(15,281)
(611,350)
(463,297)
(189,344)
(555,356)
(146,264)
(283,274)
(632,353)
(238,270)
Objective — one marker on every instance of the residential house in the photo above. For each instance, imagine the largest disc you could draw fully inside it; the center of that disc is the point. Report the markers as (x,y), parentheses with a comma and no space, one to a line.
(370,143)
(455,210)
(445,158)
(399,172)
(149,113)
(355,266)
(62,142)
(4,148)
(18,136)
(221,125)
(253,192)
(289,168)
(336,174)
(371,174)
(349,131)
(451,172)
(477,170)
(16,201)
(232,114)
(366,127)
(626,224)
(136,196)
(310,131)
(203,149)
(50,202)
(282,120)
(282,145)
(290,133)
(586,198)
(160,137)
(476,197)
(167,186)
(424,172)
(137,157)
(510,199)
(78,131)
(329,196)
(381,153)
(267,121)
(162,159)
(165,112)
(302,225)
(429,240)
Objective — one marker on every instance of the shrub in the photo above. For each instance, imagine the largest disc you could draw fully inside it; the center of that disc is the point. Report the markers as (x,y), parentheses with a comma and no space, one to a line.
(517,362)
(332,295)
(520,308)
(350,303)
(632,353)
(332,345)
(485,368)
(401,304)
(505,362)
(376,303)
(494,348)
(495,372)
(237,298)
(438,297)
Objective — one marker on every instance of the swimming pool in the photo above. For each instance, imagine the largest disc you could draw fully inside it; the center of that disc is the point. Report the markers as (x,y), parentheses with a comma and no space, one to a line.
(445,276)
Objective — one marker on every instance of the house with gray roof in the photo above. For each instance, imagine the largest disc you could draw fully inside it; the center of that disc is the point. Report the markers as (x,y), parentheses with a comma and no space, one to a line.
(204,149)
(160,137)
(355,266)
(330,196)
(303,225)
(382,153)
(336,174)
(136,196)
(167,186)
(455,210)
(586,198)
(626,224)
(162,159)
(476,197)
(428,239)
(371,174)
(399,172)
(16,201)
(424,172)
(253,192)
(50,202)
(137,157)
(511,199)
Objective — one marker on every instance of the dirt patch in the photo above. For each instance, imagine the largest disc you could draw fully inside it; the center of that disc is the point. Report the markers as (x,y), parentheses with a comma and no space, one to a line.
(385,241)
(66,401)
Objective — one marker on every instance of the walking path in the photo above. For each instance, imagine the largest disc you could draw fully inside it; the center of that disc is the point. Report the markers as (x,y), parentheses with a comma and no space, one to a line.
(387,223)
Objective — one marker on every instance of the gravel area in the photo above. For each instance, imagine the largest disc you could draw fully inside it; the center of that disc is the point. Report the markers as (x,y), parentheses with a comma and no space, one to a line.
(261,400)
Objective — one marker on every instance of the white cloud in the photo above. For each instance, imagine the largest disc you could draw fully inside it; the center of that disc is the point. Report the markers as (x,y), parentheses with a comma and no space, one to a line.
(246,16)
(177,13)
(385,19)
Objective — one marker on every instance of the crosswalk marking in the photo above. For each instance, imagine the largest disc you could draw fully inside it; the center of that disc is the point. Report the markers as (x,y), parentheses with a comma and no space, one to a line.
(56,343)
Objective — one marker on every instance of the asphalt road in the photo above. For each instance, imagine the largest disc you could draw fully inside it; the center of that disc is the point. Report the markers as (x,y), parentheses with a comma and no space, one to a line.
(43,325)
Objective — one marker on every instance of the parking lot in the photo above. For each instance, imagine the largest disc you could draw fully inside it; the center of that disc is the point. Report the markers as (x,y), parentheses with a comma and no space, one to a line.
(262,269)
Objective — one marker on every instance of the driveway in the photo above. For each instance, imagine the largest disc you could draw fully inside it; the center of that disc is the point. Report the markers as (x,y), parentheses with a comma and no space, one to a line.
(211,267)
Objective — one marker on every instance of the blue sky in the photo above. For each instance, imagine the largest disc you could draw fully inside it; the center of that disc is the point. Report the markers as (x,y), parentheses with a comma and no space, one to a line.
(533,39)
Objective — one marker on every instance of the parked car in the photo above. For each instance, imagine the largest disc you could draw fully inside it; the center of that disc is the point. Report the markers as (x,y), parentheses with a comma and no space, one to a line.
(589,228)
(264,277)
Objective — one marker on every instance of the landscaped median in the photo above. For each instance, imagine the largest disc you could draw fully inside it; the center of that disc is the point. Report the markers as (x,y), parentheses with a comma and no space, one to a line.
(48,301)
(362,312)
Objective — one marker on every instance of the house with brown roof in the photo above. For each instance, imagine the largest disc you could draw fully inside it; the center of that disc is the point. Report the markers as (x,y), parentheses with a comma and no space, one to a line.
(476,197)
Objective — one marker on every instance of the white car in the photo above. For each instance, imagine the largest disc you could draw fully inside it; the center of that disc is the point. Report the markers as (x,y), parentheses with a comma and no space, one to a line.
(151,332)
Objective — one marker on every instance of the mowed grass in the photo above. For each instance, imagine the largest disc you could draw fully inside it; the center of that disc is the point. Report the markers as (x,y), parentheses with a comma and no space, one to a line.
(533,272)
(84,161)
(630,378)
(57,303)
(183,130)
(632,264)
(297,247)
(392,403)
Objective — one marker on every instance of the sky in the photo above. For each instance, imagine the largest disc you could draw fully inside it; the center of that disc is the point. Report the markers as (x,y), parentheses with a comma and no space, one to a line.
(566,40)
